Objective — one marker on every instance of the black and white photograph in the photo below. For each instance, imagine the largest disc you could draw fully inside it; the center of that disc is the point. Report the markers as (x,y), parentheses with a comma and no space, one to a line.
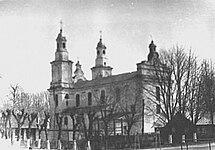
(107,74)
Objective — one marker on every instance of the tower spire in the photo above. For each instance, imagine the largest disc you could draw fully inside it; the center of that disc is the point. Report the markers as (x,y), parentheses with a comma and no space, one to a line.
(61,25)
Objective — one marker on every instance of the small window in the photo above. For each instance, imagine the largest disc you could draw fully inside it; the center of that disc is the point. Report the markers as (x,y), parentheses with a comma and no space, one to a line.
(104,52)
(67,102)
(102,97)
(65,121)
(104,63)
(77,100)
(56,100)
(58,46)
(64,45)
(67,96)
(97,52)
(89,98)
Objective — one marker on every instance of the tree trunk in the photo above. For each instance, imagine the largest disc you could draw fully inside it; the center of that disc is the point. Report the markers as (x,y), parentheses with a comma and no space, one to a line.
(59,132)
(90,130)
(5,132)
(212,117)
(19,131)
(29,130)
(46,133)
(106,135)
(129,137)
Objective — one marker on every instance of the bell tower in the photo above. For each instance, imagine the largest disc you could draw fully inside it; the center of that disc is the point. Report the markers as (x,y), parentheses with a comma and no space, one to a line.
(61,66)
(101,69)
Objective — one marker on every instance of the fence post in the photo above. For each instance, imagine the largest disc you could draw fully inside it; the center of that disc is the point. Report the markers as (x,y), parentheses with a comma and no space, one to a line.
(170,139)
(48,144)
(183,138)
(187,145)
(195,137)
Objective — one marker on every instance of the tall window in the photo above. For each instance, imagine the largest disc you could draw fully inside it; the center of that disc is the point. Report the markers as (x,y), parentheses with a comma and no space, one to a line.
(117,94)
(158,94)
(89,98)
(102,98)
(77,100)
(67,96)
(56,100)
(65,121)
(158,106)
(67,102)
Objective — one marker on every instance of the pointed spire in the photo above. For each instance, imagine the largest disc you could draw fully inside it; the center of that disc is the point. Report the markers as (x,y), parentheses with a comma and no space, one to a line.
(60,37)
(100,44)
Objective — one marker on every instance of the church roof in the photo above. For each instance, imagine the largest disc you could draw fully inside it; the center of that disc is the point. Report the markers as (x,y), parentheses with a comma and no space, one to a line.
(106,80)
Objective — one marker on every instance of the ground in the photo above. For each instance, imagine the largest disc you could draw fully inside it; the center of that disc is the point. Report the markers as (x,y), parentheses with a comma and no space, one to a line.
(6,145)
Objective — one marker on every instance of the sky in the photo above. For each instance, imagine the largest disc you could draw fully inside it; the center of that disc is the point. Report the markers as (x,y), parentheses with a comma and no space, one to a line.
(28,30)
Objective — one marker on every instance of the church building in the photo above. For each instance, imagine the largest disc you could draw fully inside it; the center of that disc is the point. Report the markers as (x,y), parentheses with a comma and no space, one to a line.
(72,94)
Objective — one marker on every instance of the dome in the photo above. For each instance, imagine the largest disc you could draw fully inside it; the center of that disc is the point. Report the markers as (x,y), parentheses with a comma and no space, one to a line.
(100,44)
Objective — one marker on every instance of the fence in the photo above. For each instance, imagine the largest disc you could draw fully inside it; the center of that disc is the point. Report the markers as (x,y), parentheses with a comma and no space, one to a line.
(203,144)
(100,142)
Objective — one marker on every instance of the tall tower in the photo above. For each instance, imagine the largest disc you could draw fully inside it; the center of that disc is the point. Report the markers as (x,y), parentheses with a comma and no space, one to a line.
(62,81)
(101,69)
(61,66)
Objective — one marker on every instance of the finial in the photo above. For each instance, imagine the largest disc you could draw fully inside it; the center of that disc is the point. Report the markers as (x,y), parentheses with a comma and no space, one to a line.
(77,59)
(100,34)
(61,25)
(151,37)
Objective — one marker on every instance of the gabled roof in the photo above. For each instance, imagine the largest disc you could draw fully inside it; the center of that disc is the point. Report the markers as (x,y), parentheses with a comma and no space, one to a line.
(105,80)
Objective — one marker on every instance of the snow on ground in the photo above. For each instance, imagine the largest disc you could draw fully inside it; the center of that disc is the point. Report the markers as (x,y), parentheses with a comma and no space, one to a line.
(5,144)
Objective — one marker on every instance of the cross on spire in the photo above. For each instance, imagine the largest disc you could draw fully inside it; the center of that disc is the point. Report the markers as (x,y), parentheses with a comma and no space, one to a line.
(61,25)
(100,34)
(151,37)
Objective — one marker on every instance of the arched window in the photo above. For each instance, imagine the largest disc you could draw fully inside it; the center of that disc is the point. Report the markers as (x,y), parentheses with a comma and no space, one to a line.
(77,100)
(56,100)
(58,46)
(67,102)
(64,45)
(89,98)
(67,96)
(117,94)
(65,121)
(104,52)
(102,97)
(97,52)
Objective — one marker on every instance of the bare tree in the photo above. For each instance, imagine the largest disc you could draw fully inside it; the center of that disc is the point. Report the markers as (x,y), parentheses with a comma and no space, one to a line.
(208,88)
(174,83)
(131,106)
(37,106)
(43,116)
(107,108)
(6,116)
(20,102)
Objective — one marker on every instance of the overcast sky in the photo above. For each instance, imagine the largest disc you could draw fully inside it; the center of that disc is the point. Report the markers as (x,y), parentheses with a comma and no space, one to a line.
(28,29)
